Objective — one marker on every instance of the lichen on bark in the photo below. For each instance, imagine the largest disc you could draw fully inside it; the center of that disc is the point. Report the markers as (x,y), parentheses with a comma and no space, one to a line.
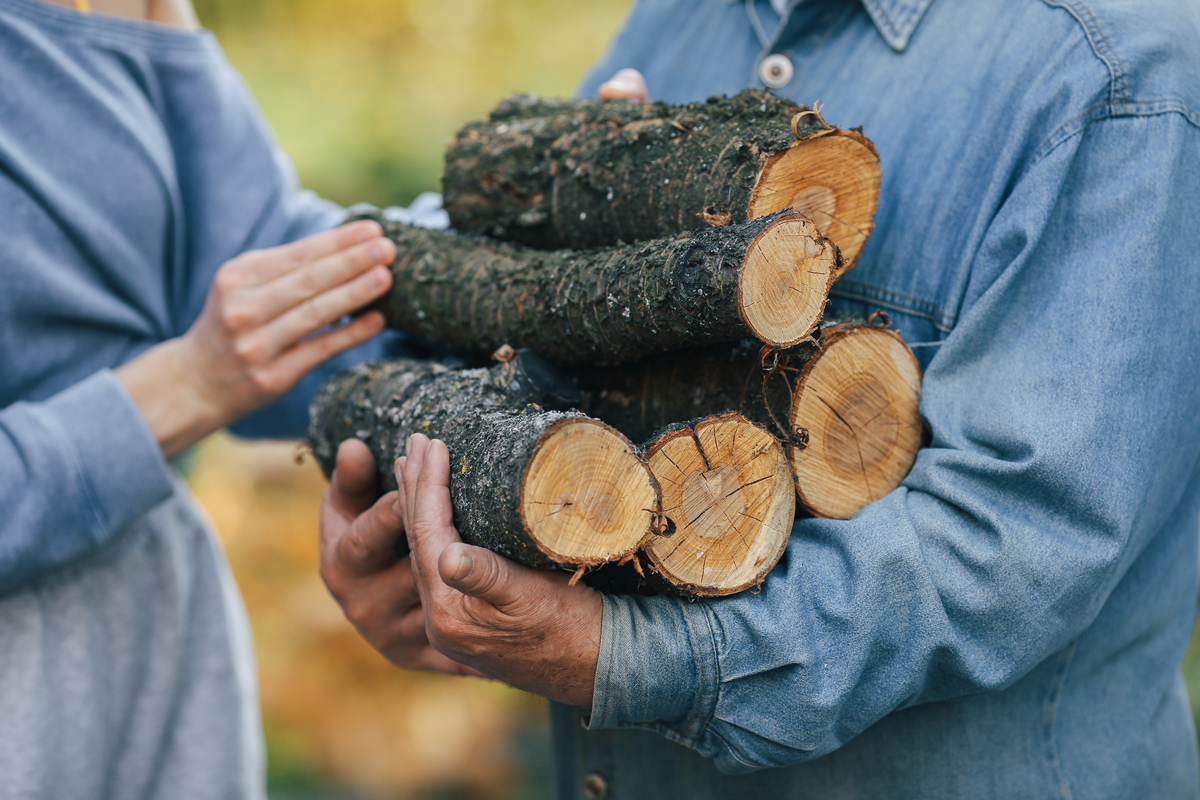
(585,173)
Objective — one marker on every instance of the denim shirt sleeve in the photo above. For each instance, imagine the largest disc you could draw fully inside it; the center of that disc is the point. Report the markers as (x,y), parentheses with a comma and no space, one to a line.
(1065,423)
(74,470)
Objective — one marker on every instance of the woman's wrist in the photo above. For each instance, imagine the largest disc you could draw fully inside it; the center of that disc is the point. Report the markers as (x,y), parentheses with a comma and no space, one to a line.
(162,386)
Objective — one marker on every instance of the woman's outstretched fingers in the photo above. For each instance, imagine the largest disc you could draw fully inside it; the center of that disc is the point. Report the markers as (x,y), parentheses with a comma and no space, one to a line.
(321,275)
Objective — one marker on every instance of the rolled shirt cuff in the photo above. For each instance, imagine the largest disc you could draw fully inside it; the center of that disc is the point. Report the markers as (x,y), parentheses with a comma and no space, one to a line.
(657,668)
(119,468)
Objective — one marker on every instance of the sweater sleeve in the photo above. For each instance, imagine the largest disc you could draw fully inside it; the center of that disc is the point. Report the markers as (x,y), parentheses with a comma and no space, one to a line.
(1066,433)
(74,469)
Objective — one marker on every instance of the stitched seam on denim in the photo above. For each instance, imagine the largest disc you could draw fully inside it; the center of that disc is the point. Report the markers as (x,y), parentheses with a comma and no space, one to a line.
(880,16)
(734,754)
(1116,71)
(605,616)
(702,717)
(699,702)
(1147,108)
(1111,49)
(716,667)
(1050,716)
(866,293)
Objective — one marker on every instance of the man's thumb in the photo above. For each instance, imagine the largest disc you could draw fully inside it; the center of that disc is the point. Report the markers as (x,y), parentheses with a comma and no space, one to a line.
(479,573)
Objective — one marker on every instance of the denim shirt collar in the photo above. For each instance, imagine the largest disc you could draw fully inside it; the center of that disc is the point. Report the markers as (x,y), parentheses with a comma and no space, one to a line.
(896,19)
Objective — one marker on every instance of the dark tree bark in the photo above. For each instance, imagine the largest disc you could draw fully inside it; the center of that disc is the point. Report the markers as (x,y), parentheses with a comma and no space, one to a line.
(588,173)
(768,278)
(546,488)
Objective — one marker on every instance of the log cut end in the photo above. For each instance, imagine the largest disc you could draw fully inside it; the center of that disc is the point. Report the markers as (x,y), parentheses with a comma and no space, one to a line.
(587,498)
(833,179)
(784,281)
(858,399)
(729,492)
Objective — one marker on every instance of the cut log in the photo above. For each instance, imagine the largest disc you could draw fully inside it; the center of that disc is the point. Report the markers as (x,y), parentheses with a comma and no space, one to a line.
(362,403)
(728,504)
(858,401)
(587,173)
(847,408)
(768,278)
(546,488)
(729,493)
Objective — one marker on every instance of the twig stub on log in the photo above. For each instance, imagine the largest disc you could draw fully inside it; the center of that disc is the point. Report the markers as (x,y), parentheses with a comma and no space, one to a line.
(586,173)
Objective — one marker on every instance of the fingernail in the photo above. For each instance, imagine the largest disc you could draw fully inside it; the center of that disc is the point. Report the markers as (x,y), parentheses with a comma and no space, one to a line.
(465,562)
(365,229)
(379,250)
(379,277)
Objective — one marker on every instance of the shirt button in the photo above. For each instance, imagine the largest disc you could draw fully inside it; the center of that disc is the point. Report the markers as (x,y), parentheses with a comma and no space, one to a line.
(775,70)
(595,787)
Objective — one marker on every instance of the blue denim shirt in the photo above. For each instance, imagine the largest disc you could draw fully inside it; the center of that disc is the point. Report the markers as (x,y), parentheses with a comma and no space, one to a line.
(1010,621)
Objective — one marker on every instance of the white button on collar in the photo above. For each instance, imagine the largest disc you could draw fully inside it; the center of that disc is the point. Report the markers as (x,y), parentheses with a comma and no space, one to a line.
(775,70)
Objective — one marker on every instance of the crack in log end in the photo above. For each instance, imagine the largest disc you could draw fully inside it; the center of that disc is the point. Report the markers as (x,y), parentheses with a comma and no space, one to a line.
(736,506)
(834,179)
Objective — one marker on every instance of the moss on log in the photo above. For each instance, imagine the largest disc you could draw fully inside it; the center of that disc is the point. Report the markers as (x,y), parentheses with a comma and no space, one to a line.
(767,278)
(587,173)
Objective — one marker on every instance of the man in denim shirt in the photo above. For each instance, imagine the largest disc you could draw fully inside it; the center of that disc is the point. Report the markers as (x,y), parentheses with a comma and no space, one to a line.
(1010,621)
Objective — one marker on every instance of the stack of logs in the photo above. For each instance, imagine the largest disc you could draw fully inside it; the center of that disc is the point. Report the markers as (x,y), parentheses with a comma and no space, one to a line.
(662,271)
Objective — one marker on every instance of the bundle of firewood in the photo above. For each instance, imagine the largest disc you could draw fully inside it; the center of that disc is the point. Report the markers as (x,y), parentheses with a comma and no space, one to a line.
(653,274)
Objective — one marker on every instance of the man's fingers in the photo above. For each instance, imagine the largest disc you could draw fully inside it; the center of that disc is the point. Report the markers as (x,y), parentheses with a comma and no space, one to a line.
(352,487)
(627,84)
(430,516)
(481,573)
(366,546)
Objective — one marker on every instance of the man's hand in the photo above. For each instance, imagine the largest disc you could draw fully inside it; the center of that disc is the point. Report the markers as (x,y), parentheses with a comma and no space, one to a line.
(254,339)
(627,84)
(376,591)
(525,627)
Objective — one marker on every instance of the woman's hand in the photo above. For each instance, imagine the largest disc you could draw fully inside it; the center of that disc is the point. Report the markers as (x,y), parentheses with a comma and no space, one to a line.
(250,344)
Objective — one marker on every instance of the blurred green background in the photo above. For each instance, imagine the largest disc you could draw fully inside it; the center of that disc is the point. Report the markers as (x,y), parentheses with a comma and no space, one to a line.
(364,95)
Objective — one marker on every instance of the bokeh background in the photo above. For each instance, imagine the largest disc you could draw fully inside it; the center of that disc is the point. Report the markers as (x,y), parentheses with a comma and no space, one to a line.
(364,95)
